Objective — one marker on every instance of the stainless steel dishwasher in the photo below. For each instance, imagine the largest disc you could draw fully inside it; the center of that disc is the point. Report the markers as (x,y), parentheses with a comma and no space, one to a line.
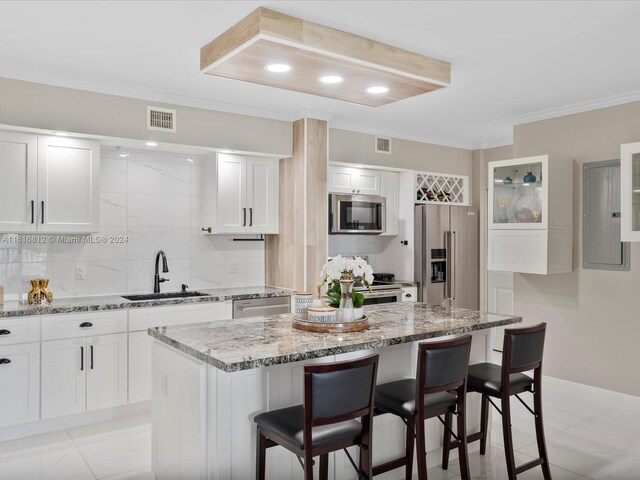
(257,307)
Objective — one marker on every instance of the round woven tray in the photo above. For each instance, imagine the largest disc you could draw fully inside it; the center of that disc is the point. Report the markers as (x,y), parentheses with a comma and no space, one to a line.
(318,327)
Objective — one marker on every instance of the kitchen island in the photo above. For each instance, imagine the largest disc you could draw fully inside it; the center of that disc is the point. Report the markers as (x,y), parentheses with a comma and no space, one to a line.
(210,379)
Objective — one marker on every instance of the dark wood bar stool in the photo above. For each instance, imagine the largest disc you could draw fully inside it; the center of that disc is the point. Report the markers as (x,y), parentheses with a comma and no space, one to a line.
(439,389)
(335,395)
(522,351)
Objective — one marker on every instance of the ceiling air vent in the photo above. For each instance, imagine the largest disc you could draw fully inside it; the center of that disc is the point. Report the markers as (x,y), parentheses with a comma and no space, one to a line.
(383,145)
(161,119)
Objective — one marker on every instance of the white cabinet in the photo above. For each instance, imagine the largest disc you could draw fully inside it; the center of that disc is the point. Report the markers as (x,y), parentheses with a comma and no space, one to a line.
(48,184)
(83,374)
(63,377)
(531,215)
(409,294)
(68,184)
(245,195)
(630,192)
(354,180)
(140,341)
(107,371)
(18,182)
(390,190)
(84,362)
(19,383)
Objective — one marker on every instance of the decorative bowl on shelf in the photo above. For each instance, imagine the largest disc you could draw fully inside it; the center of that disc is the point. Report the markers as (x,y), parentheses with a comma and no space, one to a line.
(507,181)
(529,178)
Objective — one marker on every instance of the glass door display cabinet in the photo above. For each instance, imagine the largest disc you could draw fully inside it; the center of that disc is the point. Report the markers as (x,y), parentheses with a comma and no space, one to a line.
(530,215)
(518,193)
(630,192)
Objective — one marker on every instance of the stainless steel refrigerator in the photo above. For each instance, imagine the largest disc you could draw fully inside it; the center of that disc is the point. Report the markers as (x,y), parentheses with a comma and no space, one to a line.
(447,255)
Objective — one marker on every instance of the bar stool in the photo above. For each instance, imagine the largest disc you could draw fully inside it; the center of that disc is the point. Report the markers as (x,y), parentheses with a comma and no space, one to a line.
(522,351)
(440,389)
(335,394)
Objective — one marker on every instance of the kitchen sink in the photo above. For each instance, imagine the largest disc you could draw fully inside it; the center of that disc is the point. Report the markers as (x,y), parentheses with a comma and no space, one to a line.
(164,296)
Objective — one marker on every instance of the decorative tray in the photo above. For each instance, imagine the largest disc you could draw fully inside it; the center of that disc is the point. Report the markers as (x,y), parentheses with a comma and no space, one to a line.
(323,327)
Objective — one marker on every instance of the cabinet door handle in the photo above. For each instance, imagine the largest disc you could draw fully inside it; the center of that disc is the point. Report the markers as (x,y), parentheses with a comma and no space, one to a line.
(4,361)
(5,332)
(42,210)
(33,218)
(251,216)
(408,295)
(91,350)
(206,229)
(81,359)
(86,325)
(244,217)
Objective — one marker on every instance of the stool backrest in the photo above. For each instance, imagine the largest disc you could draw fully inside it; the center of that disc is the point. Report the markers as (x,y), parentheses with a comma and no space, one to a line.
(339,391)
(443,365)
(523,348)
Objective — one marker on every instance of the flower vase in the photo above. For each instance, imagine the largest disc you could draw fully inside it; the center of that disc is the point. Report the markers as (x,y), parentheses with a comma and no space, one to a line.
(345,311)
(503,216)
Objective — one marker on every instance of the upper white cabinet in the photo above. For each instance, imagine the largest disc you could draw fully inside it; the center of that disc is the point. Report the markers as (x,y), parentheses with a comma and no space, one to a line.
(390,190)
(48,184)
(18,182)
(531,215)
(245,195)
(354,180)
(68,184)
(630,192)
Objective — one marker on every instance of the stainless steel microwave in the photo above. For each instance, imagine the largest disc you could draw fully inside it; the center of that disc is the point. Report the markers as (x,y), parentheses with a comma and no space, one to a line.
(363,214)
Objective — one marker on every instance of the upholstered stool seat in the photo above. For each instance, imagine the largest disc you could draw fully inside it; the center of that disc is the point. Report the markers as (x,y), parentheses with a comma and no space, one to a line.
(288,423)
(487,378)
(399,398)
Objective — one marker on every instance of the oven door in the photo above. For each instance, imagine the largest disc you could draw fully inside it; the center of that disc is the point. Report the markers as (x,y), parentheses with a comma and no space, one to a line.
(378,297)
(364,214)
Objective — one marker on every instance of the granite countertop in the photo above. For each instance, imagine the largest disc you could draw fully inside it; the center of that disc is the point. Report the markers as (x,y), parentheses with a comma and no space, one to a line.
(262,341)
(117,302)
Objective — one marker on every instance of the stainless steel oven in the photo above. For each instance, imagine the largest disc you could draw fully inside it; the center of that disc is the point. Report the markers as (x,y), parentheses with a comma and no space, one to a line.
(363,214)
(381,294)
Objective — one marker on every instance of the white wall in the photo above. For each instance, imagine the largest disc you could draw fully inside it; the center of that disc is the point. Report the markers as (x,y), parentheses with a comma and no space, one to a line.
(154,200)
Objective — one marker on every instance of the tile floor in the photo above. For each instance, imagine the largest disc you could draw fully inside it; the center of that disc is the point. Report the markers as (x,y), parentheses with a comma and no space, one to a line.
(590,440)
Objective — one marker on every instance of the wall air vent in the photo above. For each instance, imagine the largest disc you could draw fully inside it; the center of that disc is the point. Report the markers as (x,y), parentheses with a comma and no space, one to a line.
(162,119)
(383,145)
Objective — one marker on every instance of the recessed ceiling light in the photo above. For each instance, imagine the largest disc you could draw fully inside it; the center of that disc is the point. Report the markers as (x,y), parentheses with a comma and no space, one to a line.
(377,89)
(332,79)
(151,144)
(62,134)
(278,67)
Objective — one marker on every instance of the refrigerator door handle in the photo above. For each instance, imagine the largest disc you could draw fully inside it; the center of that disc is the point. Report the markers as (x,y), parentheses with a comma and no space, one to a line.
(449,269)
(454,267)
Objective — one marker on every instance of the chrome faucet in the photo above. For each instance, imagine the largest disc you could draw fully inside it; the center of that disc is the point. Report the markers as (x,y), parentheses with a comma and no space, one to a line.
(157,280)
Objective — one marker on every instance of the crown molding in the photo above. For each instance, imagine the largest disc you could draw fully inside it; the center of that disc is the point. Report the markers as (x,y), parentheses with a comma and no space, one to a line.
(505,142)
(577,108)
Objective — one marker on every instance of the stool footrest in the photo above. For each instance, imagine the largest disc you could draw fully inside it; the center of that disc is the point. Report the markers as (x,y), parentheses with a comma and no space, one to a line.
(391,465)
(529,465)
(470,438)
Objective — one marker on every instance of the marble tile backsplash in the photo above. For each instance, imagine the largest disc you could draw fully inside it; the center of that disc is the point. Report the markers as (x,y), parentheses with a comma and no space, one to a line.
(153,199)
(361,245)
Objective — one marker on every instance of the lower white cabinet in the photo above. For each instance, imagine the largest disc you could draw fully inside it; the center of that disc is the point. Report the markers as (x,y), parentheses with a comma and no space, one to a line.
(409,294)
(107,371)
(19,383)
(140,341)
(139,366)
(83,374)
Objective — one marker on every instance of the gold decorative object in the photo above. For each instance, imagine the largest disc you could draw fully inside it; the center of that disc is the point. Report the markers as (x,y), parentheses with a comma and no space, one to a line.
(34,295)
(39,291)
(44,289)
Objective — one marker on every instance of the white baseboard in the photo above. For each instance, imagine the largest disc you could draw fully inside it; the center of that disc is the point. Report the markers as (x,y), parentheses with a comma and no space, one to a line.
(561,385)
(53,424)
